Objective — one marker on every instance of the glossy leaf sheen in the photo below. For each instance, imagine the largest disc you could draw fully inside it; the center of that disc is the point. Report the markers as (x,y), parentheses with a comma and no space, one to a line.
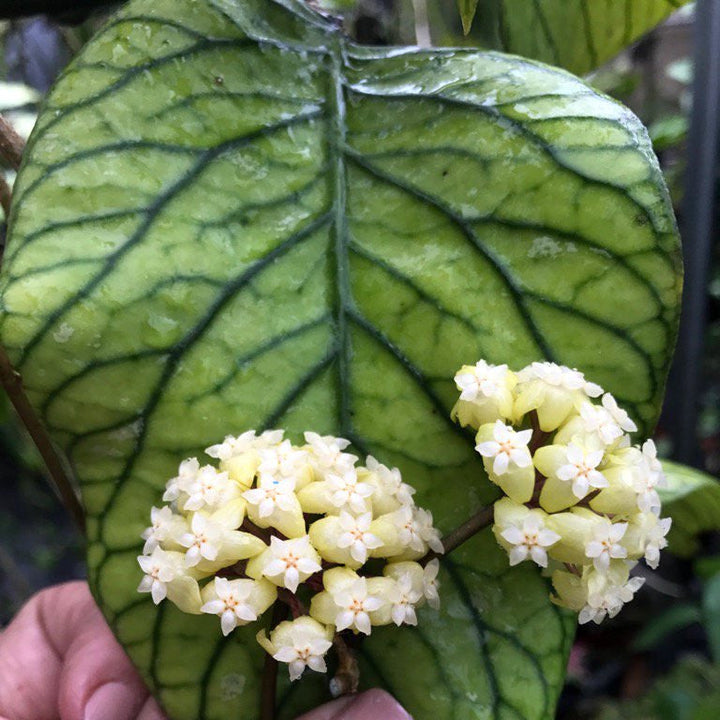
(229,218)
(578,35)
(692,500)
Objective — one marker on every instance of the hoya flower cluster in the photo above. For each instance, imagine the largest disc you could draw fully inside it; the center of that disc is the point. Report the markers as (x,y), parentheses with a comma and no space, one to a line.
(580,499)
(276,522)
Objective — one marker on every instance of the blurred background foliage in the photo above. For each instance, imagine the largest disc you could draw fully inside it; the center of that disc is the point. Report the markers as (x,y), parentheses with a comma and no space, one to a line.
(660,659)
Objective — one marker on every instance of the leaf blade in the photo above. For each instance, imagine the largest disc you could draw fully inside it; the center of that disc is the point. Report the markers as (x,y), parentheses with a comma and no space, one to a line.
(287,242)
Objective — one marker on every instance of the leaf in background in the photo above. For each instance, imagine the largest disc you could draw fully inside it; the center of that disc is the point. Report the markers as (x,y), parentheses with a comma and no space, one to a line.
(657,629)
(711,615)
(578,35)
(467,8)
(229,217)
(692,500)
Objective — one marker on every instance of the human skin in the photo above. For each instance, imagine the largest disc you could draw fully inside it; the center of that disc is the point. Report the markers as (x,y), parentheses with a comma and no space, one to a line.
(59,659)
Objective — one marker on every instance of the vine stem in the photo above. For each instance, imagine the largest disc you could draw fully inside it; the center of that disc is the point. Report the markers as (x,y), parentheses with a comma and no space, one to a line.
(472,526)
(11,144)
(12,383)
(347,678)
(268,691)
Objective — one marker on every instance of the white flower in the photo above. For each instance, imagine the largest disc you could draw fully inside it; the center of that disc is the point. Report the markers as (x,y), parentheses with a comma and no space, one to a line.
(294,561)
(271,496)
(427,531)
(618,414)
(231,603)
(600,421)
(508,447)
(354,606)
(581,471)
(391,481)
(529,539)
(202,541)
(609,601)
(166,527)
(210,489)
(282,462)
(655,541)
(404,599)
(326,453)
(356,535)
(233,446)
(605,544)
(160,569)
(649,476)
(181,483)
(409,531)
(559,376)
(347,491)
(301,643)
(431,584)
(480,380)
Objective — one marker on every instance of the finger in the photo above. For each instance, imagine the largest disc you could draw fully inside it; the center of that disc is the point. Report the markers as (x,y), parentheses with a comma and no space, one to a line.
(29,667)
(59,654)
(369,705)
(97,680)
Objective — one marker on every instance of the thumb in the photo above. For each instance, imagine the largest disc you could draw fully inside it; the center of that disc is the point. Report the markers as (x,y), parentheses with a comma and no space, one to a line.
(370,705)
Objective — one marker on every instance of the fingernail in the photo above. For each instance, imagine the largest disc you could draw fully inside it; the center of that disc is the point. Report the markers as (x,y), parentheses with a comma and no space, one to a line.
(374,704)
(111,701)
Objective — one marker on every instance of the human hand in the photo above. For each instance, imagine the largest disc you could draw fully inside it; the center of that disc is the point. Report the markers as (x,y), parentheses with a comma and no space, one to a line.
(58,658)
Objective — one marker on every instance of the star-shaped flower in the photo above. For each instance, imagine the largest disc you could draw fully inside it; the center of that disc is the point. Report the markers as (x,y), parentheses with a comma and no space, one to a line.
(618,414)
(210,489)
(347,491)
(605,544)
(508,448)
(431,584)
(271,496)
(404,599)
(230,600)
(480,380)
(655,541)
(160,569)
(300,643)
(290,562)
(354,606)
(609,602)
(356,535)
(529,538)
(166,527)
(581,470)
(187,472)
(326,453)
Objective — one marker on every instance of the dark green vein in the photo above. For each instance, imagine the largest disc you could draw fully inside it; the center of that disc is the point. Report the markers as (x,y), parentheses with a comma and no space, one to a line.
(618,332)
(478,624)
(194,335)
(152,213)
(206,44)
(465,228)
(270,422)
(414,372)
(410,283)
(343,298)
(523,131)
(271,344)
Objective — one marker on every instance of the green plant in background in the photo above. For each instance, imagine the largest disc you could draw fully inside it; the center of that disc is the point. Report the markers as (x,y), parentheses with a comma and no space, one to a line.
(231,216)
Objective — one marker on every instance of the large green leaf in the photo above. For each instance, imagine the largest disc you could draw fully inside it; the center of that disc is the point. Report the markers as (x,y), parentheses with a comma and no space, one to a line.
(229,217)
(692,500)
(578,35)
